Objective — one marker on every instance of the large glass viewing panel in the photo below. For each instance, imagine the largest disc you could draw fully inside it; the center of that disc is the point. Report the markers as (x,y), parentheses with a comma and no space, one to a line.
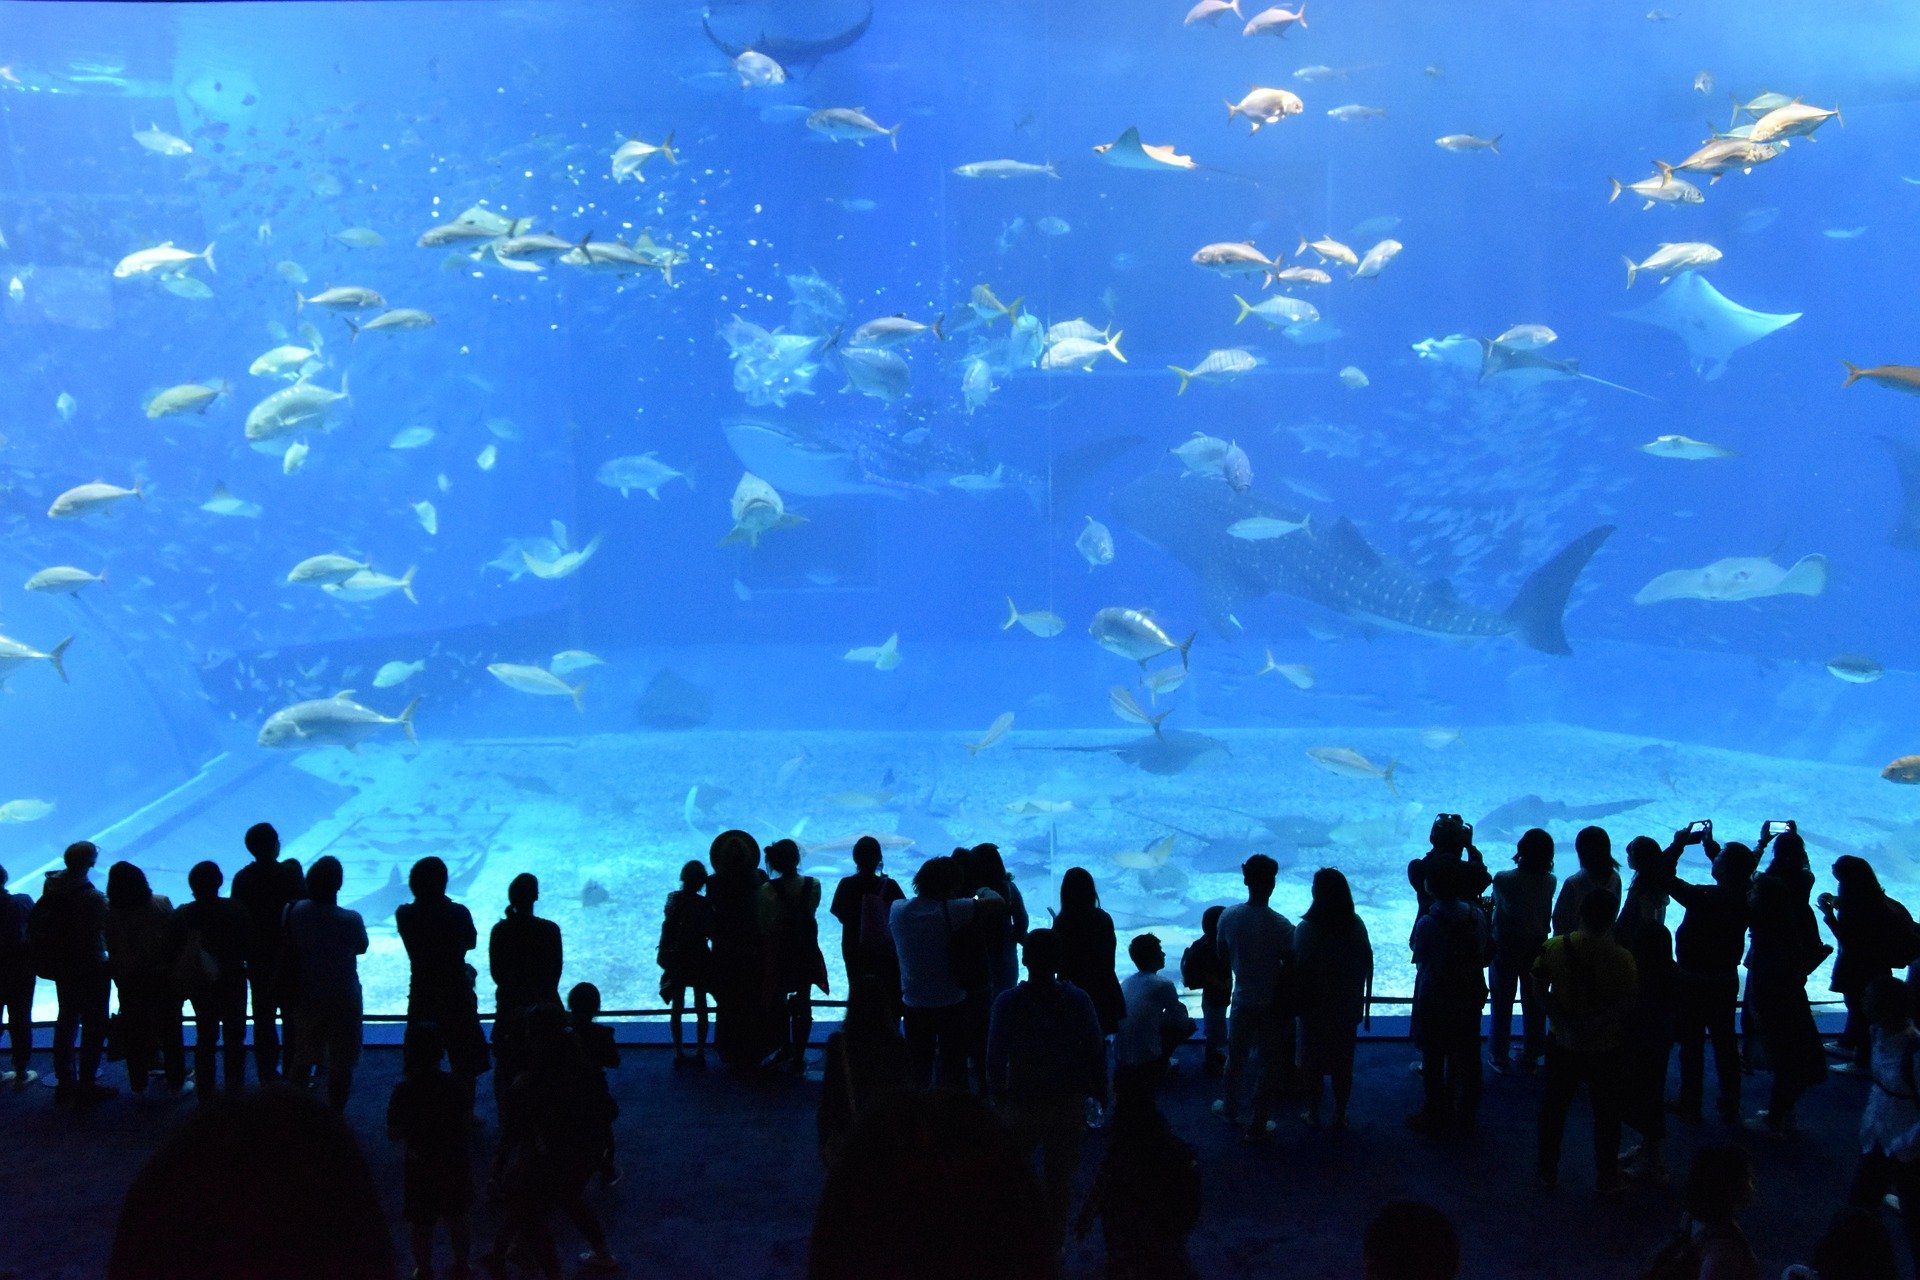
(420,354)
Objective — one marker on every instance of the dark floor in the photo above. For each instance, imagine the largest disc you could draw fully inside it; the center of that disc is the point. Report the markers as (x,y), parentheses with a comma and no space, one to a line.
(722,1175)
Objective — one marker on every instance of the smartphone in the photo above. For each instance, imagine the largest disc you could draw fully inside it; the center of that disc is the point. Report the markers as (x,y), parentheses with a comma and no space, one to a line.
(1774,826)
(1700,828)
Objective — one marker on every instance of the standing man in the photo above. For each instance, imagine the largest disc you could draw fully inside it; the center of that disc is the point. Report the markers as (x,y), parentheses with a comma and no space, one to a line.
(1257,944)
(1590,983)
(67,933)
(16,983)
(265,888)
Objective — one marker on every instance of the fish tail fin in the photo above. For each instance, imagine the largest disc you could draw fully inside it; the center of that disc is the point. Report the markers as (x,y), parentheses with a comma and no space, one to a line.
(1837,116)
(139,494)
(207,253)
(1616,190)
(58,658)
(1386,776)
(1493,144)
(1186,376)
(1233,7)
(1666,171)
(1113,347)
(1013,615)
(666,149)
(406,721)
(1736,110)
(353,331)
(299,300)
(939,326)
(1053,170)
(1854,373)
(893,136)
(1154,721)
(344,393)
(973,749)
(1538,611)
(1246,308)
(406,584)
(1633,269)
(1233,108)
(1301,251)
(1012,309)
(575,691)
(1186,645)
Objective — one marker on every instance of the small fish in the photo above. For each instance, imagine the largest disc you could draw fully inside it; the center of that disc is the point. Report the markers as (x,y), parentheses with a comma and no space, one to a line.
(1005,169)
(295,457)
(429,518)
(568,661)
(358,238)
(1905,769)
(1353,112)
(1348,763)
(1661,188)
(1127,708)
(995,731)
(488,456)
(851,124)
(162,143)
(1327,249)
(1669,260)
(1439,737)
(757,71)
(1855,668)
(393,673)
(66,406)
(1298,674)
(1353,378)
(1464,142)
(537,681)
(1275,22)
(1211,11)
(882,657)
(1527,337)
(1265,106)
(64,580)
(411,438)
(1041,622)
(1703,83)
(1844,233)
(1685,448)
(1265,528)
(1165,680)
(1894,377)
(1095,544)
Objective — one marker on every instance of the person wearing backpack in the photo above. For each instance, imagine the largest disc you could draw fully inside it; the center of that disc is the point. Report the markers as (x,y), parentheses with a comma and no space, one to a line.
(209,947)
(1202,969)
(1589,984)
(16,984)
(66,933)
(933,981)
(1890,1125)
(1451,945)
(1710,1244)
(861,903)
(1875,936)
(1784,952)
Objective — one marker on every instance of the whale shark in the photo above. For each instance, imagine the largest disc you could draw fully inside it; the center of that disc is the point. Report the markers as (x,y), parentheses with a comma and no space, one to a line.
(1330,563)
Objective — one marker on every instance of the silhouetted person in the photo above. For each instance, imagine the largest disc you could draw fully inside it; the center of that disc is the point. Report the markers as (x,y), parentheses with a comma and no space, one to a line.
(1875,936)
(934,1002)
(1707,949)
(1202,969)
(438,933)
(984,960)
(1146,1195)
(602,1054)
(1710,1243)
(1046,1060)
(1855,1246)
(66,931)
(1589,983)
(1256,942)
(1450,946)
(788,910)
(1088,947)
(1450,849)
(1890,1126)
(1522,923)
(1156,1022)
(324,944)
(554,1135)
(138,926)
(1006,931)
(1784,952)
(265,888)
(685,957)
(271,1186)
(428,1113)
(862,903)
(209,944)
(740,1031)
(1410,1240)
(1334,960)
(524,958)
(866,1064)
(16,985)
(1647,1037)
(1599,873)
(892,1209)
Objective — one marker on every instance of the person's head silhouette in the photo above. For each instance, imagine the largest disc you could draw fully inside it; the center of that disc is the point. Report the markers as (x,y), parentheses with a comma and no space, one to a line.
(1042,955)
(866,855)
(783,857)
(1534,851)
(1077,891)
(80,856)
(263,842)
(1594,847)
(522,892)
(324,879)
(1259,873)
(1410,1240)
(693,876)
(204,881)
(127,887)
(428,879)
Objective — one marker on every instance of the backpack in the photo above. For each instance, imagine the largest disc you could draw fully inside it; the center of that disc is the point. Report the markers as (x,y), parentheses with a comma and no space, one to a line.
(1903,939)
(876,922)
(45,945)
(195,971)
(966,954)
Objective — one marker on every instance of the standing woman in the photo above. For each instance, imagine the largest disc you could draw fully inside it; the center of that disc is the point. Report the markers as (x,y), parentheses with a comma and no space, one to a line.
(138,926)
(438,933)
(1003,945)
(788,909)
(1087,946)
(863,904)
(524,959)
(1785,949)
(739,964)
(1335,959)
(1875,935)
(1522,921)
(685,957)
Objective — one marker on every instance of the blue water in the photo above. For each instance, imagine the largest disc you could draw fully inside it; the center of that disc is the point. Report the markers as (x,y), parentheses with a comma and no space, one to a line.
(306,121)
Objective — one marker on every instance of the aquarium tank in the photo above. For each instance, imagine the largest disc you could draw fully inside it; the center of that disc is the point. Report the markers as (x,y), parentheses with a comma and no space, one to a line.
(545,435)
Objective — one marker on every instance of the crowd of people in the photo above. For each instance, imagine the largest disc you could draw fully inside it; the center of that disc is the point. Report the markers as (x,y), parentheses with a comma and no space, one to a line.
(981,1042)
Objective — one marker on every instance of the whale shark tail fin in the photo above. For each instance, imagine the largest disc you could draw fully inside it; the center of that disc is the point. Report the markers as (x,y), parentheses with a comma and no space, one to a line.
(1539,610)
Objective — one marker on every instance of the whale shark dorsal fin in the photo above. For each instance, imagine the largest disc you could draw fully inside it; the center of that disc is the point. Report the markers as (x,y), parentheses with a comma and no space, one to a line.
(1442,590)
(345,695)
(1348,540)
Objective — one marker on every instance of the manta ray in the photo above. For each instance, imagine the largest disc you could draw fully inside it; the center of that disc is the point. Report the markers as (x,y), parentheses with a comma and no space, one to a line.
(1712,325)
(791,51)
(1738,578)
(1166,752)
(1522,812)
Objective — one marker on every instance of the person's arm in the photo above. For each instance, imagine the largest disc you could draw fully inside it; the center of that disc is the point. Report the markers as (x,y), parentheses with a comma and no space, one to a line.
(493,954)
(1093,1049)
(360,943)
(1019,913)
(469,936)
(559,959)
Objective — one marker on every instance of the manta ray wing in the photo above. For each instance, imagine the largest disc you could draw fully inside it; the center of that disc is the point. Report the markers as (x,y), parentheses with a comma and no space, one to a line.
(1712,325)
